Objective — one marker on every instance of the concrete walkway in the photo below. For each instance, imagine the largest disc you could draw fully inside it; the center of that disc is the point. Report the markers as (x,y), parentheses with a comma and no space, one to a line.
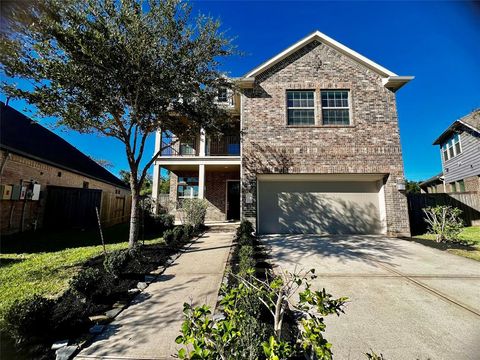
(407,301)
(148,328)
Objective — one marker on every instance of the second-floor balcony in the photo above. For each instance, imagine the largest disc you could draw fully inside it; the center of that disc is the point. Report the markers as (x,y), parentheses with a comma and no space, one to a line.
(223,145)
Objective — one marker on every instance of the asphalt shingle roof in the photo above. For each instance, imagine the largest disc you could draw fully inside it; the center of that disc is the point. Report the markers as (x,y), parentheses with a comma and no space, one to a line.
(19,134)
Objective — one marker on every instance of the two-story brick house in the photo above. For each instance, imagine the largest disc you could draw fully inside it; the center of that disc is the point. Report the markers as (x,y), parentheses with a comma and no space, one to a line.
(320,148)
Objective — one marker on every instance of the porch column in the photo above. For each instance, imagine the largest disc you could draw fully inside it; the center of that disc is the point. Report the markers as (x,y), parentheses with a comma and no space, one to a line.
(156,171)
(203,142)
(201,181)
(156,182)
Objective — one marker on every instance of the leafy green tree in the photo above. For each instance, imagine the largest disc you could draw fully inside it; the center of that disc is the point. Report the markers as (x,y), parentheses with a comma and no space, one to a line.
(119,68)
(146,185)
(412,187)
(164,186)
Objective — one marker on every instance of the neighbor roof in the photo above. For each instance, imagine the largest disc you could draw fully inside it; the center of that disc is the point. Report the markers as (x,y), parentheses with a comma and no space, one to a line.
(433,179)
(470,121)
(19,134)
(391,80)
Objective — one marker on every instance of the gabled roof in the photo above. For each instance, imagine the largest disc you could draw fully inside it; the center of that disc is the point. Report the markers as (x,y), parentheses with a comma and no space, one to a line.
(391,80)
(470,121)
(19,134)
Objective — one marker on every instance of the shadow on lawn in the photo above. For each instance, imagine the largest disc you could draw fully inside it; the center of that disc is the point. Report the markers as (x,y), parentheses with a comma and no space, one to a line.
(49,241)
(443,245)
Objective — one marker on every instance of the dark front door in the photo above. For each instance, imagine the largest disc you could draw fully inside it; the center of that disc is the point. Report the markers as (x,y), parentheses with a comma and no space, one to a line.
(233,200)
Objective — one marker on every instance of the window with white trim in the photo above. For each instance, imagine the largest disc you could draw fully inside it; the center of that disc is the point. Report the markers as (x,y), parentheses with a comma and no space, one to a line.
(301,107)
(335,107)
(451,147)
(222,95)
(187,187)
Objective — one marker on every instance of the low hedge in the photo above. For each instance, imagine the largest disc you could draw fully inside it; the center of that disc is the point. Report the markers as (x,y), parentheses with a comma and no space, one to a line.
(37,321)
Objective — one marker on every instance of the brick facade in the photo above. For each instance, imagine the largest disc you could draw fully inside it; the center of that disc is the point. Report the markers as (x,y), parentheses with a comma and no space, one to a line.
(215,192)
(371,144)
(19,168)
(472,183)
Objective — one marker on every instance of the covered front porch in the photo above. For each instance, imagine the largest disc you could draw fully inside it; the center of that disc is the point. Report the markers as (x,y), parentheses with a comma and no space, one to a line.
(218,184)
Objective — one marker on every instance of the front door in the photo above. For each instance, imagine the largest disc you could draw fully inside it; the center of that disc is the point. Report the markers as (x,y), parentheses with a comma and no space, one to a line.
(233,200)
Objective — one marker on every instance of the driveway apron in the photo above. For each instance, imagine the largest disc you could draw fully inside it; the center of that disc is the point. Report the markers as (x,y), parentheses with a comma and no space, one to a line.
(407,301)
(148,327)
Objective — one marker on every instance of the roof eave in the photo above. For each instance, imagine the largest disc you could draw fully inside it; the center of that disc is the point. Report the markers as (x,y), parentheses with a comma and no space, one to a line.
(396,82)
(451,128)
(246,82)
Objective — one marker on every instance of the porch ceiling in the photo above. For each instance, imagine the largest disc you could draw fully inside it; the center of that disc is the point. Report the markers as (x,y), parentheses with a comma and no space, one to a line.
(208,168)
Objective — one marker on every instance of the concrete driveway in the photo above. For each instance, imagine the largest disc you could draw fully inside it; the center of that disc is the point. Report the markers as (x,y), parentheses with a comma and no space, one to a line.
(407,301)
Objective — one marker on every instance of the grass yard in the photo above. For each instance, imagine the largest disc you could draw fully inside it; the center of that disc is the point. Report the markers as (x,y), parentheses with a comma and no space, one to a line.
(43,263)
(470,234)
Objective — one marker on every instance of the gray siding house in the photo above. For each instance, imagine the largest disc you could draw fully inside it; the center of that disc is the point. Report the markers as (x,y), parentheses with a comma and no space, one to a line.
(460,153)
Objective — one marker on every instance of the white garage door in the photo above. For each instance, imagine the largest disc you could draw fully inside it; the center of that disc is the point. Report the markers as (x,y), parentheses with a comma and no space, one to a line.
(310,206)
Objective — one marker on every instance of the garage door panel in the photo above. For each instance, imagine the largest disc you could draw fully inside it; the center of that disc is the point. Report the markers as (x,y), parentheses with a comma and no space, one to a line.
(314,207)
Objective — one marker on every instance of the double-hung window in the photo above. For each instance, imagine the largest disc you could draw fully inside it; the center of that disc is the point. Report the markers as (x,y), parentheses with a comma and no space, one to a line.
(222,95)
(451,147)
(301,107)
(187,187)
(335,107)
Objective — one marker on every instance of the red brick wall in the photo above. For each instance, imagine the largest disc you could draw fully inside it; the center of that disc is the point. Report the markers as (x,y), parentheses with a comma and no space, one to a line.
(371,144)
(215,191)
(19,168)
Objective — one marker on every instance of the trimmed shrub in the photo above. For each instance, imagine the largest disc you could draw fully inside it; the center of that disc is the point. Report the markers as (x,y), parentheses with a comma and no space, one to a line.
(193,211)
(188,232)
(116,261)
(30,318)
(86,281)
(245,228)
(70,314)
(168,236)
(246,260)
(245,233)
(157,224)
(178,233)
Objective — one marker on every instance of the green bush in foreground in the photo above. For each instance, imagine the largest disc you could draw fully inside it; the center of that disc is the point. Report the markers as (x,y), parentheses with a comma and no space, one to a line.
(30,318)
(444,222)
(86,281)
(206,338)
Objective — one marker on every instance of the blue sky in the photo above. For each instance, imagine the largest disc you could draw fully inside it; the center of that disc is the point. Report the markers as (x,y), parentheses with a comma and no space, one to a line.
(437,42)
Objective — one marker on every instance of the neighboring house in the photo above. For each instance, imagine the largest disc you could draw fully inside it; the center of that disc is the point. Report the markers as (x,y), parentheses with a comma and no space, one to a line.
(460,153)
(320,147)
(46,182)
(434,185)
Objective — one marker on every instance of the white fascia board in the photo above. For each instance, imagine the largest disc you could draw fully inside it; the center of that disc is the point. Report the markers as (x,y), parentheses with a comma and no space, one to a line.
(317,35)
(396,82)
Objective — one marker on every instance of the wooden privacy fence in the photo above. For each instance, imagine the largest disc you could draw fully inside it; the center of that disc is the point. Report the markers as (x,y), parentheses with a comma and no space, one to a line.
(468,202)
(115,209)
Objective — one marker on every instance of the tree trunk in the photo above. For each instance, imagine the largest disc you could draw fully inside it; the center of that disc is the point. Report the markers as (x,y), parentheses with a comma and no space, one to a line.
(134,217)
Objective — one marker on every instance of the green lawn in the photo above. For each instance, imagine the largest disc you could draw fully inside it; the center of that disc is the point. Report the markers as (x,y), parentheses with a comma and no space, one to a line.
(470,234)
(43,263)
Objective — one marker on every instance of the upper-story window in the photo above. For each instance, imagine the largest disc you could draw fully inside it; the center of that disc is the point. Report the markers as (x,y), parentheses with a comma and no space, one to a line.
(451,147)
(301,107)
(222,95)
(335,107)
